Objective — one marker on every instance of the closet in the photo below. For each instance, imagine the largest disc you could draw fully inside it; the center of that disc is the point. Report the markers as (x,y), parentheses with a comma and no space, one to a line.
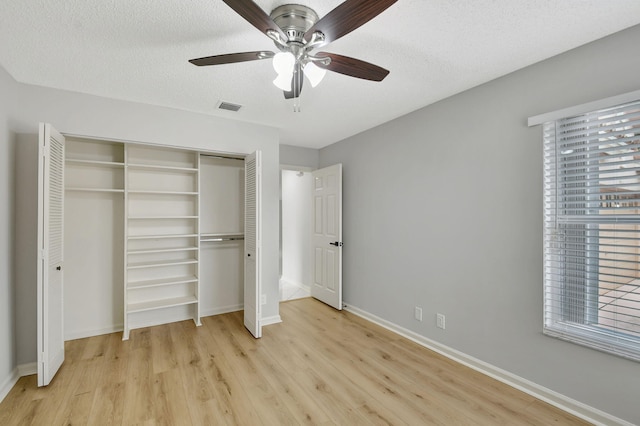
(152,235)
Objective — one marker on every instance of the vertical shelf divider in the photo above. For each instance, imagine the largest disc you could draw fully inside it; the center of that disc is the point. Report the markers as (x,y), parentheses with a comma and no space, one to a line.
(125,332)
(198,231)
(162,244)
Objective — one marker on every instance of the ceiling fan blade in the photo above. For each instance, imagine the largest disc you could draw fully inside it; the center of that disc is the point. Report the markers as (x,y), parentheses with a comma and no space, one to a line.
(257,17)
(296,84)
(352,67)
(347,17)
(231,58)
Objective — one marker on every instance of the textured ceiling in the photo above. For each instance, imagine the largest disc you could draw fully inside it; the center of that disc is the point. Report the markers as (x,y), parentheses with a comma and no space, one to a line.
(138,51)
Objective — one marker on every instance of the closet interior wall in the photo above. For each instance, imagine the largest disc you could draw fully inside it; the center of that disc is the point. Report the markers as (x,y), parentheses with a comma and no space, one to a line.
(222,234)
(152,235)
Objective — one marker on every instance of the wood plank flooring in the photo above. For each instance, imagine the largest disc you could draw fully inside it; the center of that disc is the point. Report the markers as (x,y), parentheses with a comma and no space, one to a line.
(320,367)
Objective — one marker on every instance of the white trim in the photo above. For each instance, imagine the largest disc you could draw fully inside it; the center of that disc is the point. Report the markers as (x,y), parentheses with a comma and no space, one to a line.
(222,310)
(291,283)
(95,332)
(195,149)
(20,371)
(584,108)
(271,320)
(8,384)
(119,327)
(556,399)
(27,369)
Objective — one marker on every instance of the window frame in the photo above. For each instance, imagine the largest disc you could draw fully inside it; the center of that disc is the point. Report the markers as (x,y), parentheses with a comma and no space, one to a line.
(573,321)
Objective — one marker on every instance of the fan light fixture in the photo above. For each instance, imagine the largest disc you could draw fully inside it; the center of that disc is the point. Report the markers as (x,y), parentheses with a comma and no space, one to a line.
(284,63)
(314,73)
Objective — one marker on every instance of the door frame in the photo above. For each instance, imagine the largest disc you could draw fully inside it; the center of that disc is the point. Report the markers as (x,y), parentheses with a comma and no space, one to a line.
(287,167)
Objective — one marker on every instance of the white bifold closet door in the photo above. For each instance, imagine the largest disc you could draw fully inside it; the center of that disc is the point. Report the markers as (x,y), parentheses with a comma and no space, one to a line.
(50,253)
(252,244)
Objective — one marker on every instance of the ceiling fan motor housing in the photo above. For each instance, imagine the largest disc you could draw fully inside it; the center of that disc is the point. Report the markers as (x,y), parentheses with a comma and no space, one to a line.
(294,20)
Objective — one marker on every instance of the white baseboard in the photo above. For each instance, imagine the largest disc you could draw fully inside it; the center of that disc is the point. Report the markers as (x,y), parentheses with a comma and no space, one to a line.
(292,283)
(271,320)
(28,369)
(577,408)
(14,376)
(8,383)
(285,282)
(221,310)
(234,308)
(81,334)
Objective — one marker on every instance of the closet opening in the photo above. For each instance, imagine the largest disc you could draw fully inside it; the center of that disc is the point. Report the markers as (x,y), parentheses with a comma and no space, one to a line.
(133,235)
(295,232)
(221,233)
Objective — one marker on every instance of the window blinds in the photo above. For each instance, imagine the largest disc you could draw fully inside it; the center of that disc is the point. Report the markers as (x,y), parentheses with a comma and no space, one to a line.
(592,229)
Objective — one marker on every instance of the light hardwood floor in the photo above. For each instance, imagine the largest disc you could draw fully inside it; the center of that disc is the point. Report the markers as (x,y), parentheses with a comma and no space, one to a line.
(319,366)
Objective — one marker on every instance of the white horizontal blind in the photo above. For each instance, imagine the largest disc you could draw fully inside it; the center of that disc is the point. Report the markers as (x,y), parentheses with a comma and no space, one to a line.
(592,229)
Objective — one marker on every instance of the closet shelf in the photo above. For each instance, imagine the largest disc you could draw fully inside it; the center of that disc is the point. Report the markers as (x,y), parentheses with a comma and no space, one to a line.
(135,191)
(153,237)
(162,168)
(112,164)
(158,263)
(162,250)
(159,304)
(75,188)
(134,285)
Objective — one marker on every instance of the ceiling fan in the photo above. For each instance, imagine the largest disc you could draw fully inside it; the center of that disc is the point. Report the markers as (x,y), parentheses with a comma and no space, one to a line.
(296,31)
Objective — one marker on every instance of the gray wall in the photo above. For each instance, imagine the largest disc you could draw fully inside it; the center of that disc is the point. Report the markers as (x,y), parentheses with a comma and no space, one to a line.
(86,115)
(299,156)
(443,210)
(7,299)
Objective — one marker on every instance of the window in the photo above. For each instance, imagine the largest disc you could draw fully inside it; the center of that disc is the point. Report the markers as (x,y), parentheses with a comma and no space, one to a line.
(592,229)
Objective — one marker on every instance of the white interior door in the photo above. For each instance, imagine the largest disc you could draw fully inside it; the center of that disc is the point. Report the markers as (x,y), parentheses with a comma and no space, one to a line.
(50,253)
(252,243)
(327,236)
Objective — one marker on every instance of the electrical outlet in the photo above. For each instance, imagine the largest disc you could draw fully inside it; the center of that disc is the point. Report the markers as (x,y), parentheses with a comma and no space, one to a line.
(440,321)
(263,299)
(417,313)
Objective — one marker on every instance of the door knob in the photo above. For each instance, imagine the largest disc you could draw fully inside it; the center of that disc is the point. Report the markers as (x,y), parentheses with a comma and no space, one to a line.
(336,243)
(58,268)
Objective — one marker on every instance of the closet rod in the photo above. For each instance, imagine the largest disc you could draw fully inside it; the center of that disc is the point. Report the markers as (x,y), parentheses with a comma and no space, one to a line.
(206,240)
(222,157)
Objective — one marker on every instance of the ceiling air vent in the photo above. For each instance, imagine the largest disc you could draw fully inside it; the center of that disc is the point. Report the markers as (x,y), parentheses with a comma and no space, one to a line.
(229,106)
